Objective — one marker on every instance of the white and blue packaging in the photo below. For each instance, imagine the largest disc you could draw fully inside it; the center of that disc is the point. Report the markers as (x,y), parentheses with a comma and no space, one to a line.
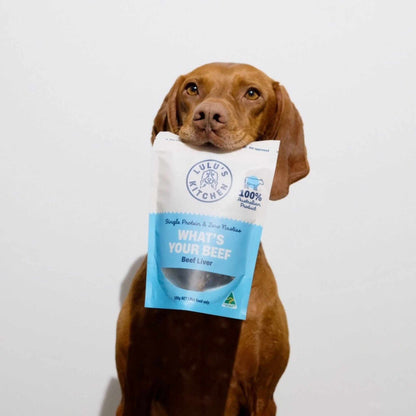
(205,224)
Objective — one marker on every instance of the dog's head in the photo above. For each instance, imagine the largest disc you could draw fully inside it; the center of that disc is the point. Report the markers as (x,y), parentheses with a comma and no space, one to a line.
(231,105)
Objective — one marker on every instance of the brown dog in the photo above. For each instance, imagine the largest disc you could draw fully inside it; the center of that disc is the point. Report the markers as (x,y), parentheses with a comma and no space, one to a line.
(179,363)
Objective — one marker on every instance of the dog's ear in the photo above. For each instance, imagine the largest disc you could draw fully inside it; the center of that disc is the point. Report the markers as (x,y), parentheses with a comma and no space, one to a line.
(167,117)
(292,163)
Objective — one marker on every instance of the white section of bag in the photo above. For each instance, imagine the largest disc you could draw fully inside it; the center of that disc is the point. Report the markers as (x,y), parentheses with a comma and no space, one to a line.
(209,181)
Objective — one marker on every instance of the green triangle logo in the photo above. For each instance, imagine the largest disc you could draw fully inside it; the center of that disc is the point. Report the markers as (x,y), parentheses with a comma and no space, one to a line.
(230,301)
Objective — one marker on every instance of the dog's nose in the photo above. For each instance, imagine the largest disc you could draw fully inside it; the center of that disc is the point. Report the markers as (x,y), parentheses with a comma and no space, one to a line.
(210,115)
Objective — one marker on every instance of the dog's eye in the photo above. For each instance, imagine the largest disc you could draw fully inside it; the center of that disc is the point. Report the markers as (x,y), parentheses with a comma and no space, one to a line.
(191,88)
(252,93)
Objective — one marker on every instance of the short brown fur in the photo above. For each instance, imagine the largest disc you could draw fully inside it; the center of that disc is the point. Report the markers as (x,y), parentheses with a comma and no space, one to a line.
(178,363)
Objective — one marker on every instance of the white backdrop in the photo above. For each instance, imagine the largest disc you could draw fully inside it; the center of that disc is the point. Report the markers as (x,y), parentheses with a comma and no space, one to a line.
(80,84)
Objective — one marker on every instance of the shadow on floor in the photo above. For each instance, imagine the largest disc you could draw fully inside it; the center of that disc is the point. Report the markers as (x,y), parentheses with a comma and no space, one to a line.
(112,395)
(112,399)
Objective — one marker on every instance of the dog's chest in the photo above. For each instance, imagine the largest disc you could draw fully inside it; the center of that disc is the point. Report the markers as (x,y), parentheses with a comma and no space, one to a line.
(182,354)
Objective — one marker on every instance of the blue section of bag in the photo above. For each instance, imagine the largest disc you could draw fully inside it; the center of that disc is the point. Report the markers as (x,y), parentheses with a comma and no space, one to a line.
(201,263)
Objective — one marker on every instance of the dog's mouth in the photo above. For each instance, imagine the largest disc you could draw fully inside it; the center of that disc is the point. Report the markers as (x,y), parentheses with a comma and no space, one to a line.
(223,140)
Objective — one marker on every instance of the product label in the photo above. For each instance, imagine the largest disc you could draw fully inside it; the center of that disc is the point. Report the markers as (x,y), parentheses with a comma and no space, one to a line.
(209,180)
(200,263)
(205,225)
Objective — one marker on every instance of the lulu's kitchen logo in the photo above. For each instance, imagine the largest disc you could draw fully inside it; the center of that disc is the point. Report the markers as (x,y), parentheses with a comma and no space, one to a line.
(209,180)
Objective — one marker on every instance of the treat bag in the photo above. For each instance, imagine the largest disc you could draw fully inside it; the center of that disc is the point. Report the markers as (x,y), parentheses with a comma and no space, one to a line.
(205,224)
